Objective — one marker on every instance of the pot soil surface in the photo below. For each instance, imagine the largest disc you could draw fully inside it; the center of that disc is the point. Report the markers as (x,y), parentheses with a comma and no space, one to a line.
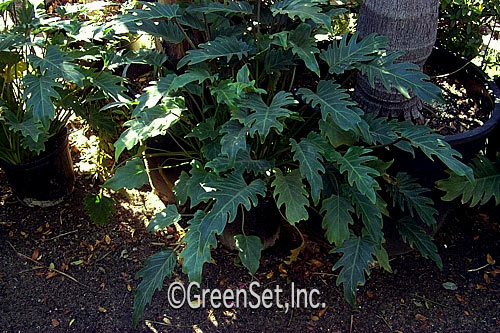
(95,289)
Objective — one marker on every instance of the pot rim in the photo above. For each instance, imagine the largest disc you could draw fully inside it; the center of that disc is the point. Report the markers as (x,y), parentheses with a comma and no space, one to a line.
(492,122)
(43,160)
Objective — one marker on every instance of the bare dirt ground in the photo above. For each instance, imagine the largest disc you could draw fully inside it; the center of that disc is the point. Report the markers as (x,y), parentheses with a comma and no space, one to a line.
(90,286)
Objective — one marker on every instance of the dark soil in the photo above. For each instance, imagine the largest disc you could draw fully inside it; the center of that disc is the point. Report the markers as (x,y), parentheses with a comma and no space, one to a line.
(104,260)
(462,110)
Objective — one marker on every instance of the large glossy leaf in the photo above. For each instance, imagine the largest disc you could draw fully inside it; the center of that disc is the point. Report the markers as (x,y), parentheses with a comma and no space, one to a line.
(337,217)
(304,10)
(154,93)
(310,164)
(149,11)
(59,63)
(194,257)
(249,249)
(334,102)
(192,185)
(305,47)
(158,266)
(149,123)
(356,258)
(190,75)
(220,47)
(382,129)
(485,186)
(204,130)
(242,162)
(343,55)
(28,127)
(111,85)
(336,136)
(232,7)
(431,144)
(233,140)
(370,214)
(229,193)
(99,207)
(416,236)
(264,117)
(402,76)
(354,163)
(132,175)
(167,30)
(163,219)
(407,193)
(290,191)
(38,92)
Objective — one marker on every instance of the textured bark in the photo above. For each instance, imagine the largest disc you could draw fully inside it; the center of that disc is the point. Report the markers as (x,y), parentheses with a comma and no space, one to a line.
(410,26)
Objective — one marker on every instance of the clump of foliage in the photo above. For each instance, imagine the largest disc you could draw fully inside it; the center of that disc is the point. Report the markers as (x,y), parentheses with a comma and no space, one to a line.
(256,107)
(463,24)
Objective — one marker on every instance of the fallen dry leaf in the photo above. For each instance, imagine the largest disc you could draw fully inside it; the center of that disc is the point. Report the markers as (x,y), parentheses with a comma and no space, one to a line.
(461,299)
(322,312)
(39,229)
(35,254)
(55,322)
(282,269)
(101,309)
(495,272)
(466,312)
(481,287)
(107,239)
(64,267)
(369,294)
(420,317)
(270,275)
(314,318)
(50,275)
(316,263)
(129,288)
(25,235)
(486,278)
(490,259)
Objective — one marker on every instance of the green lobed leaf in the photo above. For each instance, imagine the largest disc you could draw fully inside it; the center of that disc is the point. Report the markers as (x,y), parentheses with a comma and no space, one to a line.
(290,191)
(337,218)
(416,236)
(192,185)
(158,266)
(353,162)
(485,186)
(263,117)
(242,162)
(154,93)
(149,123)
(406,192)
(234,139)
(402,76)
(38,92)
(304,10)
(229,193)
(431,144)
(305,47)
(190,75)
(220,47)
(357,256)
(333,102)
(232,7)
(163,219)
(110,85)
(132,175)
(310,165)
(204,130)
(370,214)
(194,256)
(28,127)
(249,249)
(343,55)
(59,63)
(99,207)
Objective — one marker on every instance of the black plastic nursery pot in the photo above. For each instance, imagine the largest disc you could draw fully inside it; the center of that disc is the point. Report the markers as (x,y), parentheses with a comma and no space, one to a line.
(468,143)
(46,181)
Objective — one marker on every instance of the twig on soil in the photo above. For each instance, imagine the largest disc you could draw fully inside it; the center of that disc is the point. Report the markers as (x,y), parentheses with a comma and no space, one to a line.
(425,299)
(385,321)
(324,274)
(104,256)
(290,320)
(52,269)
(6,223)
(350,325)
(478,269)
(61,235)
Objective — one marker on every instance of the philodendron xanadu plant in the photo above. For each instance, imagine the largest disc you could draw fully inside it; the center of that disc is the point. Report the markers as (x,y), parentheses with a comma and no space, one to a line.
(256,106)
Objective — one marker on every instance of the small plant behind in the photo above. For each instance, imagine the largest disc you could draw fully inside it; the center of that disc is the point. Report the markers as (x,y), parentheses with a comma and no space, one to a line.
(256,107)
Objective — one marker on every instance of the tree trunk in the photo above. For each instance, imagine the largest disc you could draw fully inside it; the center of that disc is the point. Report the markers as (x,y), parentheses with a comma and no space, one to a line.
(410,26)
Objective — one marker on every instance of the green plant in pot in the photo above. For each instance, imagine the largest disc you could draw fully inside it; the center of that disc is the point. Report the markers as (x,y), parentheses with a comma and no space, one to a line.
(44,81)
(258,108)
